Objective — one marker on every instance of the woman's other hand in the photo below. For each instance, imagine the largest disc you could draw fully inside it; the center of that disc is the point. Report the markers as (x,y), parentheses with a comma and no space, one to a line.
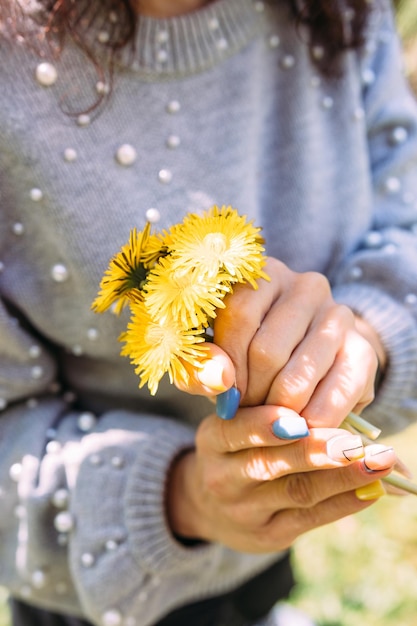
(289,343)
(259,481)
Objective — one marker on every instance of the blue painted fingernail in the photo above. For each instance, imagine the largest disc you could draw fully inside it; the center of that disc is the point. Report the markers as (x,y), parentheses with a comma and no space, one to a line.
(227,403)
(290,428)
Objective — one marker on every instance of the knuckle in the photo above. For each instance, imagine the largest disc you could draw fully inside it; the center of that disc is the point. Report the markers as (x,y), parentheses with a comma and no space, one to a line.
(366,399)
(316,282)
(280,531)
(224,441)
(299,490)
(260,354)
(306,519)
(291,388)
(343,315)
(274,265)
(214,436)
(258,467)
(337,321)
(346,312)
(369,396)
(237,309)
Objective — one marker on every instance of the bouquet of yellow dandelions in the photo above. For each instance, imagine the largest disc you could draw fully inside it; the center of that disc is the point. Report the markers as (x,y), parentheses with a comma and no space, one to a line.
(174,282)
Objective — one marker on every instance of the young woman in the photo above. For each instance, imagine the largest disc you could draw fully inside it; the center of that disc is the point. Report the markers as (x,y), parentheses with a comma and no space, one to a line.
(122,509)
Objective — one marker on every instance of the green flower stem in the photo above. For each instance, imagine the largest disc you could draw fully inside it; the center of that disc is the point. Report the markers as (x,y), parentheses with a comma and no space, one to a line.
(401,483)
(361,425)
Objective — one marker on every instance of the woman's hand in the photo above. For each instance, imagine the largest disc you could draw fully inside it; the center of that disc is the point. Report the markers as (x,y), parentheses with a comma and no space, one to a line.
(249,487)
(289,343)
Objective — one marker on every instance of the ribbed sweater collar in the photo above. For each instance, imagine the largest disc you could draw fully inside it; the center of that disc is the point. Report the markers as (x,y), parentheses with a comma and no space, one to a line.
(190,43)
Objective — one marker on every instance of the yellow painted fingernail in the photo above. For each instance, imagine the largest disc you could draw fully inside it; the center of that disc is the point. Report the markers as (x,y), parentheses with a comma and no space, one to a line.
(373,491)
(211,375)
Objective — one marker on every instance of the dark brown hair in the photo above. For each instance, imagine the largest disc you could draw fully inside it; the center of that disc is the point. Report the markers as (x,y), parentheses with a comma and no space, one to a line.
(334,25)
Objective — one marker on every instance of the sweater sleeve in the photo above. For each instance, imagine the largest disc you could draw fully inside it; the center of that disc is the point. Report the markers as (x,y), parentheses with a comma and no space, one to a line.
(83,527)
(378,281)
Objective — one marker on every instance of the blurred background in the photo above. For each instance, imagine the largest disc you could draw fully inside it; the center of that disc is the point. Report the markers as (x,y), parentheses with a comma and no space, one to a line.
(407,25)
(362,569)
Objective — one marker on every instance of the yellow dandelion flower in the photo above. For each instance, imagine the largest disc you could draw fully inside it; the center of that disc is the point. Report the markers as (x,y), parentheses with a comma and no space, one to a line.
(169,237)
(219,241)
(157,347)
(127,271)
(152,250)
(183,294)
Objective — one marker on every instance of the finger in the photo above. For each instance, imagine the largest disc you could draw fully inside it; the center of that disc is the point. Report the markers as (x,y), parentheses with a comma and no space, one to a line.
(347,386)
(268,426)
(256,477)
(216,374)
(323,449)
(236,324)
(312,359)
(281,335)
(379,457)
(308,505)
(302,474)
(378,461)
(306,489)
(308,493)
(283,527)
(254,427)
(287,525)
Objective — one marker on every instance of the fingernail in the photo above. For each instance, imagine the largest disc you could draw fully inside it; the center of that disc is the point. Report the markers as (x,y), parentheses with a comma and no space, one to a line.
(378,457)
(227,403)
(345,448)
(290,428)
(211,375)
(373,491)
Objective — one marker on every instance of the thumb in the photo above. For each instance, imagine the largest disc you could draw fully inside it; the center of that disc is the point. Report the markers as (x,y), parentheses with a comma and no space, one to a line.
(215,375)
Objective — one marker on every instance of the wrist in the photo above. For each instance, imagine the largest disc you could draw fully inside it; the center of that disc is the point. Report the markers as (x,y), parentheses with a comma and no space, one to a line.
(181,504)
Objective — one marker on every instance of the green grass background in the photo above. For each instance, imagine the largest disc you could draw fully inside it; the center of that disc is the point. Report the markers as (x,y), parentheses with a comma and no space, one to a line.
(361,570)
(4,615)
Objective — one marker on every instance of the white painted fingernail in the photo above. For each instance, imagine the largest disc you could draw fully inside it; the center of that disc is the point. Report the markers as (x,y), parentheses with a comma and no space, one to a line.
(211,375)
(345,448)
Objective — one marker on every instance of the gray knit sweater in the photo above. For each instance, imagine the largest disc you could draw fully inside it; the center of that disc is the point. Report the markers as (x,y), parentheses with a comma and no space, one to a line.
(221,106)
